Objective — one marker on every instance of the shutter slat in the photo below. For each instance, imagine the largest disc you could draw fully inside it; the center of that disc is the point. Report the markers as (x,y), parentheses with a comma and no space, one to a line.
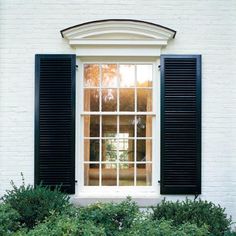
(55,121)
(181,124)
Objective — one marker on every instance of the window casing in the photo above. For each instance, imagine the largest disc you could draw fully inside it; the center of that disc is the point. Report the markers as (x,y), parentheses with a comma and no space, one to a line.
(118,151)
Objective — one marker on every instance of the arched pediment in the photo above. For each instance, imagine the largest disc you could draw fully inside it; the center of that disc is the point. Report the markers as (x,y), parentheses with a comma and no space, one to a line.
(113,32)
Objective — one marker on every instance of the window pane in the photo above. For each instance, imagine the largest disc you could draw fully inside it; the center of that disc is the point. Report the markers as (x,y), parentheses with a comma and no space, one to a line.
(91,174)
(109,126)
(91,126)
(109,99)
(109,174)
(91,100)
(144,100)
(91,150)
(144,174)
(126,99)
(109,75)
(144,150)
(126,174)
(126,126)
(144,126)
(144,75)
(109,150)
(126,149)
(91,75)
(127,75)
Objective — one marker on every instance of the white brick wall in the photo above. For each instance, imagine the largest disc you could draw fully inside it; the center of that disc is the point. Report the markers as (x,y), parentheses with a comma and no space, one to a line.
(203,27)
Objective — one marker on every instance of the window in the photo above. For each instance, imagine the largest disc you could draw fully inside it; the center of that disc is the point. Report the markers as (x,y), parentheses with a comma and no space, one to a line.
(119,138)
(117,122)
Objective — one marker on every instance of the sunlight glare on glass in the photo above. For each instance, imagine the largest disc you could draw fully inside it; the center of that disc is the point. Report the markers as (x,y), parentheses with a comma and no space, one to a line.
(127,75)
(144,75)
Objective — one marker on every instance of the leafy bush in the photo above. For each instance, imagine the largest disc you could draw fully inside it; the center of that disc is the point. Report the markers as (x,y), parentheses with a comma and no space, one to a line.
(196,212)
(34,204)
(63,225)
(9,219)
(114,217)
(149,227)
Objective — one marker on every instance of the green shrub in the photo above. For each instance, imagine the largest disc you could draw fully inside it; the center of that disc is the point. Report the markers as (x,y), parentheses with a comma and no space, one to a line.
(34,204)
(196,212)
(63,225)
(114,217)
(148,227)
(9,219)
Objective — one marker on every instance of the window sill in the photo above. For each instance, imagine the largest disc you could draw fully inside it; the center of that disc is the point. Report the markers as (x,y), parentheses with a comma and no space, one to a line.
(142,199)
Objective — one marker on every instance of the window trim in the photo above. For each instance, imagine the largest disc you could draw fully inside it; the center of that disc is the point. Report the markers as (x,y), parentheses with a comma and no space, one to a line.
(118,191)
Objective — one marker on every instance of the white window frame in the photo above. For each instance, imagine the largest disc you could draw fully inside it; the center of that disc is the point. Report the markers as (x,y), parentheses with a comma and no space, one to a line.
(118,191)
(108,41)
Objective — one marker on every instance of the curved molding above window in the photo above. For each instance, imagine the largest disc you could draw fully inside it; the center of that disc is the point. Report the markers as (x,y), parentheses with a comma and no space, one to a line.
(117,34)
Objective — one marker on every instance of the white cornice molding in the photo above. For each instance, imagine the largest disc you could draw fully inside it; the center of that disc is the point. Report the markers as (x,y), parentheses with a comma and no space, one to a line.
(117,36)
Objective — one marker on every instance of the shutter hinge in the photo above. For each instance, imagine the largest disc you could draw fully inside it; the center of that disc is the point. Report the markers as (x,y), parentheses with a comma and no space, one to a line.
(159,67)
(76,66)
(76,181)
(159,181)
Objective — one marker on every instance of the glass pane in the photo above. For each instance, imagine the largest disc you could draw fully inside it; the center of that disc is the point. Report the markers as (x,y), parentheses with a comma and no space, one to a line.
(144,75)
(109,99)
(144,150)
(91,100)
(126,150)
(127,75)
(91,174)
(126,126)
(144,126)
(144,100)
(109,126)
(91,150)
(109,75)
(126,99)
(109,150)
(91,75)
(144,175)
(109,174)
(126,174)
(91,126)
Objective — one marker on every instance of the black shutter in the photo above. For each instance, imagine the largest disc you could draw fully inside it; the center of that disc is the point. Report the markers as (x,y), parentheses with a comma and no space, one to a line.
(180,124)
(55,121)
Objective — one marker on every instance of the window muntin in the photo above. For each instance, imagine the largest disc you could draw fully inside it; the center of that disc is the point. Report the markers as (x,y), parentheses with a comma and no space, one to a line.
(117,123)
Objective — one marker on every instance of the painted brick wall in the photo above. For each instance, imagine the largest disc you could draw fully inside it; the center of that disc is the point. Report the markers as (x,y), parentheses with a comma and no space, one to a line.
(203,27)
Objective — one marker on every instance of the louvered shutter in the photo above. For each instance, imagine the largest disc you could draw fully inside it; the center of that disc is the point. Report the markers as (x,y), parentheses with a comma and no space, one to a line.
(55,121)
(180,124)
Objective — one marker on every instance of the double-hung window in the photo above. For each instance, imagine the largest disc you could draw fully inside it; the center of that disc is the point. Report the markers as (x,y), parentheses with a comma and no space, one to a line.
(117,116)
(127,120)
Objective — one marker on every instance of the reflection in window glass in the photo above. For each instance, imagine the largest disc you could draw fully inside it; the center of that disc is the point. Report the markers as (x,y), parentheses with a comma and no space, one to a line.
(144,75)
(109,75)
(91,174)
(126,126)
(91,75)
(117,125)
(144,100)
(126,149)
(91,149)
(109,150)
(109,99)
(126,174)
(109,174)
(144,150)
(126,99)
(91,126)
(127,75)
(144,126)
(91,100)
(144,174)
(109,126)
